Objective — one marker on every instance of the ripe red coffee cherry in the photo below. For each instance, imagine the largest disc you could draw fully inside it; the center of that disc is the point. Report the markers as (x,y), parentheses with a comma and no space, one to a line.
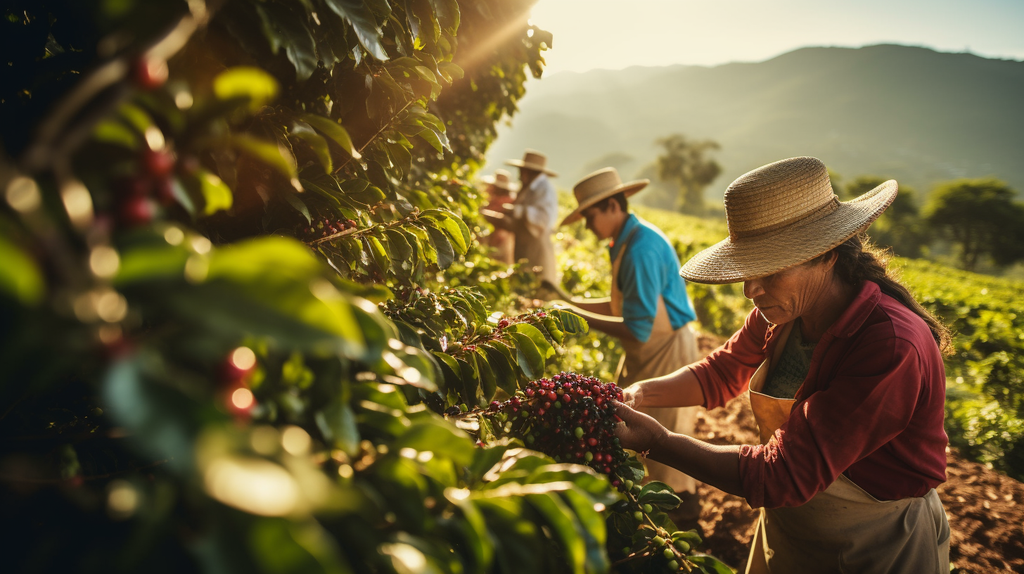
(158,164)
(149,73)
(136,210)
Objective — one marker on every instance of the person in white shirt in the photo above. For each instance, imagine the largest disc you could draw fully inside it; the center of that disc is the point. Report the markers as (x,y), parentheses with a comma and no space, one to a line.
(533,216)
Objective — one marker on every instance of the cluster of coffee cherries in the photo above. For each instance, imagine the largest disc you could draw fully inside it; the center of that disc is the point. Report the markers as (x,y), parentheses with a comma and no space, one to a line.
(570,417)
(326,227)
(140,195)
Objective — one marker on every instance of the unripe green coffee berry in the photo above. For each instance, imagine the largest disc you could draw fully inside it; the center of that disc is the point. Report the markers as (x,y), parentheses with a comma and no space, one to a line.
(648,508)
(578,432)
(673,565)
(639,516)
(658,541)
(628,484)
(682,545)
(668,554)
(589,456)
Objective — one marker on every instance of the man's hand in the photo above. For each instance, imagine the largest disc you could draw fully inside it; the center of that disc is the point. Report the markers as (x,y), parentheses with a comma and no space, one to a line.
(637,431)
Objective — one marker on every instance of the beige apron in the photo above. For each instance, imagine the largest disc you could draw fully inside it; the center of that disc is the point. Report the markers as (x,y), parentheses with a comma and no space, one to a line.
(539,251)
(843,528)
(666,351)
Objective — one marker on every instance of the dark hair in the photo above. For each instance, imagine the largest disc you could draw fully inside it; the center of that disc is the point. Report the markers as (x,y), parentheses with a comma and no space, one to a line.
(860,260)
(619,198)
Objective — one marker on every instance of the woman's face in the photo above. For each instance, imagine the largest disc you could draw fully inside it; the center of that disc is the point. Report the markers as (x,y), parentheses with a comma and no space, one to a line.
(784,296)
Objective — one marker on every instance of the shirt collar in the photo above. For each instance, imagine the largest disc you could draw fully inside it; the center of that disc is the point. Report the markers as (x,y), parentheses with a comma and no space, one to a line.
(627,227)
(854,316)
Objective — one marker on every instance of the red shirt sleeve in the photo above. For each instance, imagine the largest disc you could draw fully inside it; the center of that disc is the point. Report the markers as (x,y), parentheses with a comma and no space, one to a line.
(726,372)
(869,402)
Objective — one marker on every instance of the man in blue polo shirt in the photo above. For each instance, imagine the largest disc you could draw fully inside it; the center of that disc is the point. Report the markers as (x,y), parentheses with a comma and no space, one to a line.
(649,310)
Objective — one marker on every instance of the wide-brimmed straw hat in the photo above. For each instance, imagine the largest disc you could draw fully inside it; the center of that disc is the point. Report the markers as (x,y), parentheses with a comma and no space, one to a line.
(501,179)
(781,215)
(597,186)
(534,160)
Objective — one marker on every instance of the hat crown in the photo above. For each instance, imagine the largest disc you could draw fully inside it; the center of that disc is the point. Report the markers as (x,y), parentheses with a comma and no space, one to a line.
(779,195)
(535,158)
(596,184)
(502,178)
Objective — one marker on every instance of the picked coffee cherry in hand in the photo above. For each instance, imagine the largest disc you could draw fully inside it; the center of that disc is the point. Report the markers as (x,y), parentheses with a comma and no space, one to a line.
(569,417)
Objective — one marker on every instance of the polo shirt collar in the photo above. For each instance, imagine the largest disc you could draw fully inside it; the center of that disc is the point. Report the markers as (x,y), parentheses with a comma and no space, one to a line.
(631,222)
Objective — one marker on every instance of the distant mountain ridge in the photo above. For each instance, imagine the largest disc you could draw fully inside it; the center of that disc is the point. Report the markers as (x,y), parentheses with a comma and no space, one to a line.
(904,112)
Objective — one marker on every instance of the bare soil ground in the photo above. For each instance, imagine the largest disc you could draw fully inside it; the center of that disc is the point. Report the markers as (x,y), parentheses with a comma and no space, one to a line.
(985,508)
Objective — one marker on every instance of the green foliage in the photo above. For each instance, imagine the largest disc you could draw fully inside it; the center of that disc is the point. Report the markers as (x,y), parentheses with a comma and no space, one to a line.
(981,217)
(235,304)
(900,227)
(985,407)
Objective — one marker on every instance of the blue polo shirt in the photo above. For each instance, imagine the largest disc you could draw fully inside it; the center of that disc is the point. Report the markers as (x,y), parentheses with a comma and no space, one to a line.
(649,268)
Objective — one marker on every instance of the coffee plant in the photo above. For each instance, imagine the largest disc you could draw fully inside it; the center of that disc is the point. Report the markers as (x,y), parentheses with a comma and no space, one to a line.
(571,418)
(241,285)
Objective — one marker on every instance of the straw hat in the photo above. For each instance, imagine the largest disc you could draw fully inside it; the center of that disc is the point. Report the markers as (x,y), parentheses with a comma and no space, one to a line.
(501,179)
(597,186)
(534,160)
(781,215)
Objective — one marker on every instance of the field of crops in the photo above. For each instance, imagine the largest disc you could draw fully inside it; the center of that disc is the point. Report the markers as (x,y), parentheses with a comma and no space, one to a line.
(984,407)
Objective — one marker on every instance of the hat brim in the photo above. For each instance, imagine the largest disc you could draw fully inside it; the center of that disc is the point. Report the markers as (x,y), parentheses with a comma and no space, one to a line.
(629,188)
(533,166)
(491,180)
(734,260)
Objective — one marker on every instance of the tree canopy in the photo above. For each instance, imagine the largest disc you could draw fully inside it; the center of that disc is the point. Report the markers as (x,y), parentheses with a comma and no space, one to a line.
(686,163)
(982,217)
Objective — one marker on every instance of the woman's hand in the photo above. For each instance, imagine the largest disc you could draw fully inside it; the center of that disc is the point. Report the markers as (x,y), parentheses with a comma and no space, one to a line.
(633,395)
(638,431)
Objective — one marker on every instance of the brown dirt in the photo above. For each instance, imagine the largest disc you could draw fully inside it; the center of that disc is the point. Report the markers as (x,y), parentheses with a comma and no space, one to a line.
(985,507)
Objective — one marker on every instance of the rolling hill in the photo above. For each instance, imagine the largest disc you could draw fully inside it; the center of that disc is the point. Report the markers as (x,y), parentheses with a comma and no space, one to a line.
(909,113)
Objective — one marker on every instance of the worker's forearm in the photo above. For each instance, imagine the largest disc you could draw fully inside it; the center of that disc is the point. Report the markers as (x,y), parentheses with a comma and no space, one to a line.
(613,326)
(717,465)
(677,389)
(602,306)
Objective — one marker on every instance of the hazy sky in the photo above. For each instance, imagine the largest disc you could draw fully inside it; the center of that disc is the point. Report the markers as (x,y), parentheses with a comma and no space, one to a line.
(616,34)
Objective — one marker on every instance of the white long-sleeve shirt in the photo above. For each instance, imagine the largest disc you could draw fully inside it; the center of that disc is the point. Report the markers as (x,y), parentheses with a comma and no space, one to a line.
(537,206)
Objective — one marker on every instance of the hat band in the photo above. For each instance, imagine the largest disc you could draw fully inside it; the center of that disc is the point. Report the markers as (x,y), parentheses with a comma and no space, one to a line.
(820,212)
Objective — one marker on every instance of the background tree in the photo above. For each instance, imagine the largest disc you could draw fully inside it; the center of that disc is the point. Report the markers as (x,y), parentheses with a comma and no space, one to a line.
(686,163)
(981,217)
(900,226)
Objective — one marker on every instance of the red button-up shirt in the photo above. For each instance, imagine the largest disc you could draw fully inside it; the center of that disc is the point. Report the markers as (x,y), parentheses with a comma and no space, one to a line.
(871,407)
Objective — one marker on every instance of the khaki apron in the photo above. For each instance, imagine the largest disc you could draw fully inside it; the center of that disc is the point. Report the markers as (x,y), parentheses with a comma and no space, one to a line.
(539,251)
(666,351)
(842,528)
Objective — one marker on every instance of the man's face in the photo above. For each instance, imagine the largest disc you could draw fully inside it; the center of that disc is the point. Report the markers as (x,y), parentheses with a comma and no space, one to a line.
(601,223)
(527,175)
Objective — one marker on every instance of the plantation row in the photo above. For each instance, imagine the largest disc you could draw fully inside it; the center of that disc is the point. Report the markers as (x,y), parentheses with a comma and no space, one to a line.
(985,395)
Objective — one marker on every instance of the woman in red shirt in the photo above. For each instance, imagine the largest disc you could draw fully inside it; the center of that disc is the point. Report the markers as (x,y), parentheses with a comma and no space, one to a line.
(845,377)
